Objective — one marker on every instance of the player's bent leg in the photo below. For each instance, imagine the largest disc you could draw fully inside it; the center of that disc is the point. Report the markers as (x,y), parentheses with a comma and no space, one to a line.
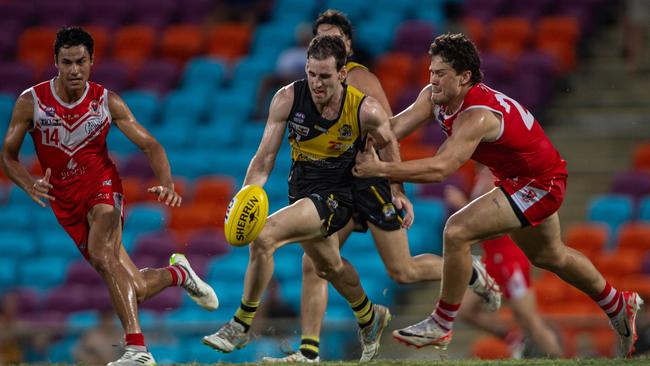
(199,291)
(530,320)
(544,248)
(279,230)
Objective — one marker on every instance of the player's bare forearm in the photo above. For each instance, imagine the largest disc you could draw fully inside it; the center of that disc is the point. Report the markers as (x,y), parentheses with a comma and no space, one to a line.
(159,163)
(258,171)
(415,171)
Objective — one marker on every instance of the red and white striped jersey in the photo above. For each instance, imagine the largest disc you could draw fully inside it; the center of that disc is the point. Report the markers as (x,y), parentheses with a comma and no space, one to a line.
(522,149)
(70,138)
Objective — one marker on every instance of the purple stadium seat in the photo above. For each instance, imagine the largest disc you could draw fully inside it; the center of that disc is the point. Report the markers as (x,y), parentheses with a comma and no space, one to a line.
(496,68)
(406,98)
(109,14)
(10,30)
(484,10)
(16,77)
(99,297)
(57,13)
(68,298)
(157,75)
(538,63)
(433,134)
(159,245)
(137,166)
(20,11)
(437,190)
(82,273)
(194,11)
(531,9)
(632,183)
(207,243)
(168,299)
(45,318)
(154,13)
(114,75)
(28,299)
(414,37)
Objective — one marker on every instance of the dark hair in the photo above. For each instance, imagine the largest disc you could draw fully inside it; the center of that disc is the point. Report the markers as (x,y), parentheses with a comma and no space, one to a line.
(336,18)
(73,36)
(460,52)
(324,46)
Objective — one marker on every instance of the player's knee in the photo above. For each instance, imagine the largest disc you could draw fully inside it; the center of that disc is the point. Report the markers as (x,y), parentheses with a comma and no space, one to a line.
(549,259)
(402,274)
(263,245)
(307,266)
(455,233)
(102,260)
(329,271)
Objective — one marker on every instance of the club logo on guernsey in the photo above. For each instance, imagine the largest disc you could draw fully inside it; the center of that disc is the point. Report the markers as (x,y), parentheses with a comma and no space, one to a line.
(345,132)
(249,214)
(93,107)
(299,117)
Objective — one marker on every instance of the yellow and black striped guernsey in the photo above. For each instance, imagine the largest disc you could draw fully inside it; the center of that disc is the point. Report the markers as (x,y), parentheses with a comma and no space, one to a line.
(323,151)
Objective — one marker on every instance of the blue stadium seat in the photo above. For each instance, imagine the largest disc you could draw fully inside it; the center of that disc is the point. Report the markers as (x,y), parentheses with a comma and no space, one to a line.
(358,244)
(191,163)
(17,217)
(18,197)
(354,9)
(27,150)
(56,242)
(43,219)
(644,209)
(279,34)
(145,217)
(203,73)
(165,353)
(80,320)
(231,105)
(7,273)
(6,106)
(374,37)
(144,105)
(220,133)
(42,273)
(294,9)
(613,210)
(117,142)
(184,107)
(175,134)
(61,351)
(17,244)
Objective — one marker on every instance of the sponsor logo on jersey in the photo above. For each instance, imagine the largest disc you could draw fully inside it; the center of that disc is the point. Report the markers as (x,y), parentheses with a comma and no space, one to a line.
(107,182)
(50,122)
(345,132)
(92,125)
(299,117)
(71,164)
(298,129)
(49,111)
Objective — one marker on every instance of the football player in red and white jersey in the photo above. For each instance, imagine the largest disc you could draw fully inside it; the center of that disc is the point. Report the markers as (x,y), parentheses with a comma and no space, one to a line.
(493,129)
(68,119)
(508,265)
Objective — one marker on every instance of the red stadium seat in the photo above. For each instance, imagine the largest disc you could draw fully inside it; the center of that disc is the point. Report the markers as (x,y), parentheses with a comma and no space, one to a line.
(134,44)
(474,30)
(642,156)
(180,42)
(588,238)
(230,40)
(395,63)
(214,190)
(100,39)
(35,47)
(564,29)
(509,36)
(634,236)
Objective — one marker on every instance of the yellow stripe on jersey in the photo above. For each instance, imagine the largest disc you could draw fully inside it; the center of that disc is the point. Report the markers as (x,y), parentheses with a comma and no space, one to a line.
(351,65)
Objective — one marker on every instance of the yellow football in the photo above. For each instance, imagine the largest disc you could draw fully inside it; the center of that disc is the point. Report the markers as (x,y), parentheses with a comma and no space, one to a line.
(246,215)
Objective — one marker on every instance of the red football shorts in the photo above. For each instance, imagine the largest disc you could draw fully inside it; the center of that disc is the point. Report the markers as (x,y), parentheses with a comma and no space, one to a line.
(71,207)
(508,265)
(534,200)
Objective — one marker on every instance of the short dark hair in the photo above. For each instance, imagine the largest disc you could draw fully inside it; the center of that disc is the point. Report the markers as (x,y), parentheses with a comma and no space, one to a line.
(460,52)
(324,46)
(73,36)
(336,18)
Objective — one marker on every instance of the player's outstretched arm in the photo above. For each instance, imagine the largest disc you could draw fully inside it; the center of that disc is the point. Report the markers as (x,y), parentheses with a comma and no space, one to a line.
(264,159)
(414,116)
(126,122)
(471,127)
(20,124)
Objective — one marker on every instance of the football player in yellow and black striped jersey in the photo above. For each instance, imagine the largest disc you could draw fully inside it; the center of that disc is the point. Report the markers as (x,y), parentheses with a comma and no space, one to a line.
(373,209)
(326,121)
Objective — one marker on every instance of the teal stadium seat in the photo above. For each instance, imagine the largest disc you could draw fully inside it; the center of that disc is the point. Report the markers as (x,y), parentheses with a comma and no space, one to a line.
(56,242)
(144,105)
(17,244)
(192,163)
(6,106)
(118,143)
(203,74)
(293,11)
(184,108)
(644,208)
(374,37)
(17,217)
(272,35)
(61,351)
(7,273)
(354,9)
(42,273)
(174,134)
(80,320)
(612,210)
(220,133)
(146,217)
(230,104)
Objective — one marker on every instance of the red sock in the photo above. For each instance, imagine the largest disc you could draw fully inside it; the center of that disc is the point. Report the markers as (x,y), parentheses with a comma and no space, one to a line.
(445,314)
(179,275)
(610,300)
(134,339)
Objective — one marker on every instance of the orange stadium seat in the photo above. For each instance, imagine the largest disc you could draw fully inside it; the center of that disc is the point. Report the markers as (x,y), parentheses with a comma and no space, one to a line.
(642,156)
(560,28)
(395,63)
(474,30)
(180,185)
(100,39)
(421,73)
(214,189)
(620,263)
(196,216)
(634,236)
(35,47)
(230,40)
(588,238)
(639,283)
(135,190)
(180,42)
(134,44)
(393,86)
(490,348)
(509,36)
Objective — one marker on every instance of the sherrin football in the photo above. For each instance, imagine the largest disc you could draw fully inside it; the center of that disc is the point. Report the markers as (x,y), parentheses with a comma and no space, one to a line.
(246,215)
